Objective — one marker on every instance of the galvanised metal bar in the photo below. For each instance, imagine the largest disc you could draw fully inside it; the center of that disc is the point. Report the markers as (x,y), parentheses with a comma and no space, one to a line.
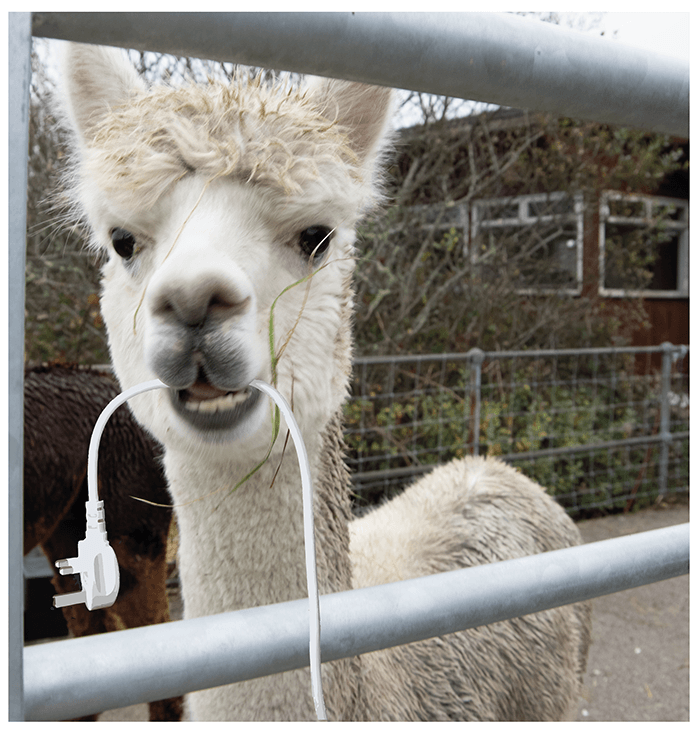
(665,417)
(92,674)
(476,358)
(602,446)
(19,48)
(677,351)
(499,58)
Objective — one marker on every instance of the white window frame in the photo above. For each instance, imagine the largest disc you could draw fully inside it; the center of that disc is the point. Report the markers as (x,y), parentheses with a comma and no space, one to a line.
(681,226)
(525,219)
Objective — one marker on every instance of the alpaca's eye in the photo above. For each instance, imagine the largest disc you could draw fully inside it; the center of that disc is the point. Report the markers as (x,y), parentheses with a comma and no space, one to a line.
(123,241)
(314,241)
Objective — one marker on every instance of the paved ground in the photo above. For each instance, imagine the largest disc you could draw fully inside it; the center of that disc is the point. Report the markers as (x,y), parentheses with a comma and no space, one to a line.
(639,662)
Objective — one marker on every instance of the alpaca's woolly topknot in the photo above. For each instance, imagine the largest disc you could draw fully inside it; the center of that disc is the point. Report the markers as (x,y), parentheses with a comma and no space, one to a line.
(258,132)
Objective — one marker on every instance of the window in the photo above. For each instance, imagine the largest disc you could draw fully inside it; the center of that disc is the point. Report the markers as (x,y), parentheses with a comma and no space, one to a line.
(643,246)
(538,237)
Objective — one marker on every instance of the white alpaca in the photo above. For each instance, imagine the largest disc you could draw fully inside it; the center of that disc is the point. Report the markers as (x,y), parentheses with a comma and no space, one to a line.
(210,201)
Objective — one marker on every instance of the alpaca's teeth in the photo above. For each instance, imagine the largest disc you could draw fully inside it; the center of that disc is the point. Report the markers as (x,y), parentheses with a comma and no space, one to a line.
(225,402)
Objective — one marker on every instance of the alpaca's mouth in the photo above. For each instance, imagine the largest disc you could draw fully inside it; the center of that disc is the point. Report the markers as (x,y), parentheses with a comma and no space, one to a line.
(209,408)
(205,398)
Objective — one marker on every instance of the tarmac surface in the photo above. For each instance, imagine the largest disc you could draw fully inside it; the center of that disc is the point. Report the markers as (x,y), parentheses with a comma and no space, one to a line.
(639,661)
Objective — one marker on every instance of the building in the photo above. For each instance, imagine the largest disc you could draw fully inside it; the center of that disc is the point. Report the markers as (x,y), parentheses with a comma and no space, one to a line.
(591,212)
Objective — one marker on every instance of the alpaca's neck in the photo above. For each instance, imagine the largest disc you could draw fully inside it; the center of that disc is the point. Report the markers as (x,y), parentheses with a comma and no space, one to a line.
(246,548)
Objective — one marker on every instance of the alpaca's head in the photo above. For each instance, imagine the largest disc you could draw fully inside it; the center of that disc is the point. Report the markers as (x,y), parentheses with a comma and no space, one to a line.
(209,201)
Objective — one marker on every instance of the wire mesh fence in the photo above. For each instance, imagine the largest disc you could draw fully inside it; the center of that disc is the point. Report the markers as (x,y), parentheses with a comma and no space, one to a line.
(599,428)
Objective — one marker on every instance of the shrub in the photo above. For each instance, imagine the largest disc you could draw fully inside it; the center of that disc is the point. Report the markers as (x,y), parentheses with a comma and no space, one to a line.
(411,427)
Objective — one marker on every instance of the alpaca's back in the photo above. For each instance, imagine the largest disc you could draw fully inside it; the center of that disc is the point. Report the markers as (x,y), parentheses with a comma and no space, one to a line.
(468,513)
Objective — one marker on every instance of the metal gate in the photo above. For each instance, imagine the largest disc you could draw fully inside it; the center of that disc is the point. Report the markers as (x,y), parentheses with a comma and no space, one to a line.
(482,56)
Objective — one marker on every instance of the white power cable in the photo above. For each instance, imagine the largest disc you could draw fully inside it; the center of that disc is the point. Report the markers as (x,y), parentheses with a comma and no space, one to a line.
(309,547)
(97,563)
(100,424)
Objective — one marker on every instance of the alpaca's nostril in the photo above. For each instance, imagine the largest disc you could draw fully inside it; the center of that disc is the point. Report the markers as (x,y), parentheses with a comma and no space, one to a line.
(194,305)
(221,304)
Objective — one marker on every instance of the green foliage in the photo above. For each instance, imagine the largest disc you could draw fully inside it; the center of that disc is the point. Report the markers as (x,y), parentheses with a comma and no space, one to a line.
(590,156)
(63,321)
(62,315)
(431,427)
(527,415)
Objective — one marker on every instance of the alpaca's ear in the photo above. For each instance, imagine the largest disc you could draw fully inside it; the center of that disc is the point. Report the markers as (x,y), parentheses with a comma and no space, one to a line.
(363,110)
(95,79)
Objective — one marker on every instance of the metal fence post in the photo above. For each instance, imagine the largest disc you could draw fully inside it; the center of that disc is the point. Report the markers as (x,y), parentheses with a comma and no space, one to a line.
(476,358)
(20,69)
(665,421)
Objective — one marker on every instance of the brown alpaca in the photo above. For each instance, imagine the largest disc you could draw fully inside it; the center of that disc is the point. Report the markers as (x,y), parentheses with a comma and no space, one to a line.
(61,405)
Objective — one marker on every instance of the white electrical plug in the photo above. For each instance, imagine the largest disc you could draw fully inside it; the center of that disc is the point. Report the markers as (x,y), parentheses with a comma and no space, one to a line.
(96,563)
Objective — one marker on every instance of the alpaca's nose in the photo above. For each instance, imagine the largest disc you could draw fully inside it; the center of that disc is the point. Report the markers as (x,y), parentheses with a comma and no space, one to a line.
(193,303)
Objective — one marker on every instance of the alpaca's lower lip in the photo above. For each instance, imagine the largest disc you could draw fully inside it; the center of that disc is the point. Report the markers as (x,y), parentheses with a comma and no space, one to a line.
(210,409)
